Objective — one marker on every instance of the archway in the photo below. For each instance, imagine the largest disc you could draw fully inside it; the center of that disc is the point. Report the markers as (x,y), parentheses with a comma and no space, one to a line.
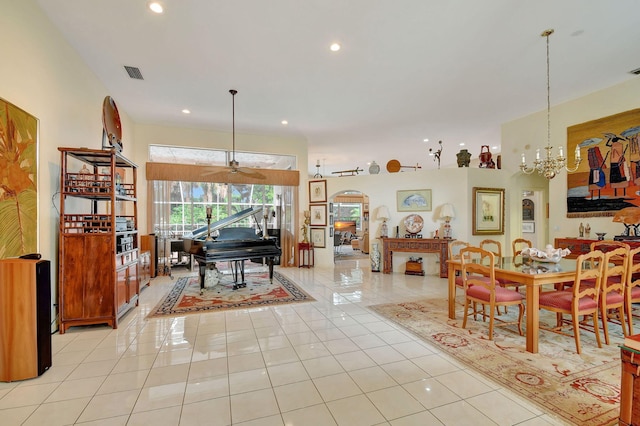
(349,225)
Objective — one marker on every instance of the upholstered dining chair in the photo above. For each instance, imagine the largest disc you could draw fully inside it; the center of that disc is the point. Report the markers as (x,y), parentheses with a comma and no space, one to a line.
(612,288)
(454,254)
(478,265)
(632,290)
(578,300)
(495,247)
(520,244)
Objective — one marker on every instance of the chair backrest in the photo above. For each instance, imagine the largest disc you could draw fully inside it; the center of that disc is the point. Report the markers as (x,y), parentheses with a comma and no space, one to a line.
(589,267)
(519,244)
(494,247)
(455,247)
(614,275)
(633,268)
(478,263)
(608,245)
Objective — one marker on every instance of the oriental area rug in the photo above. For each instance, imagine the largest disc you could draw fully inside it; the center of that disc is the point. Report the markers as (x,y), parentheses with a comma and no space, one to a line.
(580,389)
(185,298)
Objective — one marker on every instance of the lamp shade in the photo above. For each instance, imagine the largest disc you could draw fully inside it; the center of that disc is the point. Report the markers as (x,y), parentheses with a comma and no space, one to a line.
(383,213)
(447,212)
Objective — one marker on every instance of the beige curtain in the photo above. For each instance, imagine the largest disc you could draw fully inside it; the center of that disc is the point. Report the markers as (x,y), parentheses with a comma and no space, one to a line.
(288,180)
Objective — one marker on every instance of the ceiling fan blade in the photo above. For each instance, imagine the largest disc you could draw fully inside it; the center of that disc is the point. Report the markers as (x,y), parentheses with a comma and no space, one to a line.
(251,173)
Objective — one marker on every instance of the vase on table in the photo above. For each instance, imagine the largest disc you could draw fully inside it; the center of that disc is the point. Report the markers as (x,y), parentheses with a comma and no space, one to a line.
(375,258)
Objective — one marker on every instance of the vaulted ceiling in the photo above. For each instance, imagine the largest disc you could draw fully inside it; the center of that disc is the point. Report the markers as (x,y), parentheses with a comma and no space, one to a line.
(407,70)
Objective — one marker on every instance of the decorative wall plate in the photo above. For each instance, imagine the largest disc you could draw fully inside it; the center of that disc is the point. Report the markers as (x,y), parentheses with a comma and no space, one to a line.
(413,223)
(393,166)
(111,123)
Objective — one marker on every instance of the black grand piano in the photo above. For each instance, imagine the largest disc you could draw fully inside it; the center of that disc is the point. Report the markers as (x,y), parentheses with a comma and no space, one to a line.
(232,244)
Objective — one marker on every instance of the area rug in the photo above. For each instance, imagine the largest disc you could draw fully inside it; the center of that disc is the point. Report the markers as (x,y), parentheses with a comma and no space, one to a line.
(185,298)
(580,389)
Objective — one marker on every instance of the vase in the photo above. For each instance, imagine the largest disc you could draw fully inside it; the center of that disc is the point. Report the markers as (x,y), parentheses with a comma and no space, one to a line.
(464,158)
(375,258)
(374,168)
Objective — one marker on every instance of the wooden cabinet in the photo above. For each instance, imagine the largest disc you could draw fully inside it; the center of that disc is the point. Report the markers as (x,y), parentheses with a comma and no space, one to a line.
(98,245)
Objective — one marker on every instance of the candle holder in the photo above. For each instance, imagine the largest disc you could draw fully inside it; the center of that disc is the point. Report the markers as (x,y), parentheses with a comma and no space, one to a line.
(265,215)
(305,227)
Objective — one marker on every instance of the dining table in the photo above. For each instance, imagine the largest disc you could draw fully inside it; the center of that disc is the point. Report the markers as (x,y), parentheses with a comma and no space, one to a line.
(531,274)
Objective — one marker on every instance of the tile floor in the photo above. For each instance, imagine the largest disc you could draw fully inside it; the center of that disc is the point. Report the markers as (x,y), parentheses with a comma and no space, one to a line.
(329,362)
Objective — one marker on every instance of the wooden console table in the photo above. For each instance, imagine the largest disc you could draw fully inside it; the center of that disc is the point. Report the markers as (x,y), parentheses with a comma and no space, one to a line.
(415,245)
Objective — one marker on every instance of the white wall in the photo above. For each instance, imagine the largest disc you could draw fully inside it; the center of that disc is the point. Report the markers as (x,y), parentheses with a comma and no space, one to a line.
(452,185)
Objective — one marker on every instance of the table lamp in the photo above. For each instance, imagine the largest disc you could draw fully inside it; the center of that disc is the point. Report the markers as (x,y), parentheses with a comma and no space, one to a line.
(383,214)
(447,213)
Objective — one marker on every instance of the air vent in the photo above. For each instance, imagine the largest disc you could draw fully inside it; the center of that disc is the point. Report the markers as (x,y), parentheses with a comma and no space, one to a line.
(636,71)
(134,72)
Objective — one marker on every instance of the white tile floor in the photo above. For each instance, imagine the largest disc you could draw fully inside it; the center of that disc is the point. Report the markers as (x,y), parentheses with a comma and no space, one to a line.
(329,362)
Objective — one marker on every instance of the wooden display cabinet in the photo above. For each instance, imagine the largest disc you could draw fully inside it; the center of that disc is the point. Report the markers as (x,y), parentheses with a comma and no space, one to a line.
(98,248)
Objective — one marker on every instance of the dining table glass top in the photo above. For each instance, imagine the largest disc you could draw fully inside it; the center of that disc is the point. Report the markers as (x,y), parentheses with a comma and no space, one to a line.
(529,266)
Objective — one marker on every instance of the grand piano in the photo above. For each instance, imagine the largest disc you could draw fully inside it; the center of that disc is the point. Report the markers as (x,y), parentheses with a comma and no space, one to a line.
(232,244)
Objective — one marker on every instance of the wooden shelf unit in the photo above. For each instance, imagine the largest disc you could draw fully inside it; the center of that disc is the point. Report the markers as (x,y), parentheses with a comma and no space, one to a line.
(98,247)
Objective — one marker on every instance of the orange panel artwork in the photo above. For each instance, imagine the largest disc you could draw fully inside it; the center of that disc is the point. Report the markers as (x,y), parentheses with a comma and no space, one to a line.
(18,181)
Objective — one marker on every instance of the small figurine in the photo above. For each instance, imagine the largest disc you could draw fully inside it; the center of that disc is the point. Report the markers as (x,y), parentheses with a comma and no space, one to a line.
(587,231)
(437,153)
(581,230)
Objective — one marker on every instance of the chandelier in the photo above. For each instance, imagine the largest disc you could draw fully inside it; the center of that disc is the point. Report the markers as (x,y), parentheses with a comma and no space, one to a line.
(550,166)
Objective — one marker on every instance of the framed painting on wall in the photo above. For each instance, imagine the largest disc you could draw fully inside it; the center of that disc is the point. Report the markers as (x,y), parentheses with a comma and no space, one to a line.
(317,191)
(318,214)
(414,200)
(608,178)
(488,211)
(19,177)
(317,237)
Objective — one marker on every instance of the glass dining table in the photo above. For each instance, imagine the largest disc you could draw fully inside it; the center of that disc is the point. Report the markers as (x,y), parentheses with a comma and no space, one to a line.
(531,274)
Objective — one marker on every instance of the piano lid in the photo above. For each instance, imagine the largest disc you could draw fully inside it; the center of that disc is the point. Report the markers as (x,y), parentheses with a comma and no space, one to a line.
(201,233)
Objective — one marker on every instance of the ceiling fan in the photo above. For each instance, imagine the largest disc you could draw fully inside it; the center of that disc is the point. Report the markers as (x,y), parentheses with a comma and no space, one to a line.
(234,167)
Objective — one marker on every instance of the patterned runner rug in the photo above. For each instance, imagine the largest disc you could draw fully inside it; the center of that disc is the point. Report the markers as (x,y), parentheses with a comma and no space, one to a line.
(185,298)
(581,389)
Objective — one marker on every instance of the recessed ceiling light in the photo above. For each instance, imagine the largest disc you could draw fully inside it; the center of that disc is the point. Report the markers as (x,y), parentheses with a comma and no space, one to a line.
(284,122)
(335,47)
(156,7)
(494,147)
(461,143)
(186,111)
(425,140)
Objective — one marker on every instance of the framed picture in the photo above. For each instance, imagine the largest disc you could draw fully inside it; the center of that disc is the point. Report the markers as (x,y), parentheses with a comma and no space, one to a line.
(488,211)
(528,227)
(318,214)
(415,200)
(317,237)
(318,191)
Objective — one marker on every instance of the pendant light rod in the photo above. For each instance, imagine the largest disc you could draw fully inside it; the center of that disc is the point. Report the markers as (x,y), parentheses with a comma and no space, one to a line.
(233,123)
(548,165)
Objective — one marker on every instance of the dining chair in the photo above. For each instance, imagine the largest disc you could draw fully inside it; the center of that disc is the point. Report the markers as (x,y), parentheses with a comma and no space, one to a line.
(632,290)
(481,288)
(612,288)
(520,244)
(578,300)
(454,254)
(495,247)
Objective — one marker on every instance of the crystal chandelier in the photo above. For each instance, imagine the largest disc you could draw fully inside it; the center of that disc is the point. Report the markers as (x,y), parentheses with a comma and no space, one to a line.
(550,166)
